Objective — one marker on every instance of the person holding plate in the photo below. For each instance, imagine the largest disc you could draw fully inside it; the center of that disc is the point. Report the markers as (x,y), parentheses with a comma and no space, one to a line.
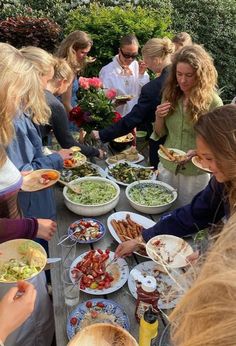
(216,146)
(190,91)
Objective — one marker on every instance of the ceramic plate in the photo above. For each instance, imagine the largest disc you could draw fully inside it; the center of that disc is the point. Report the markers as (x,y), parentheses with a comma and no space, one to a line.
(79,158)
(77,172)
(169,250)
(165,284)
(87,225)
(177,151)
(110,308)
(31,181)
(140,158)
(121,215)
(123,274)
(197,162)
(152,175)
(124,97)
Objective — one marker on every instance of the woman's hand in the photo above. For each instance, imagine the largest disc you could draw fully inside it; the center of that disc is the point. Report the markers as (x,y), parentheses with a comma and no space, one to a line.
(102,154)
(190,153)
(65,153)
(46,229)
(15,309)
(95,134)
(126,248)
(142,67)
(163,109)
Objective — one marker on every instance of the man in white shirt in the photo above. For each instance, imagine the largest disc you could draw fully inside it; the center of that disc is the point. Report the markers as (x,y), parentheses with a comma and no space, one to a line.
(125,74)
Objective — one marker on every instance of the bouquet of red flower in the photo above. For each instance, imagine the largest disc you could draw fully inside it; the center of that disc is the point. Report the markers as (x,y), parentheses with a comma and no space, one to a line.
(95,108)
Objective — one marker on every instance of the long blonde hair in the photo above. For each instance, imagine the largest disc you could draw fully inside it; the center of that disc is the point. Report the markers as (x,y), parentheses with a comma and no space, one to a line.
(68,47)
(206,314)
(202,92)
(43,62)
(20,90)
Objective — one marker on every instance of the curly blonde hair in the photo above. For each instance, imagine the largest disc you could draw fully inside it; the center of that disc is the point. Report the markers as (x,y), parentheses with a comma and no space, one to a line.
(68,47)
(20,91)
(206,314)
(202,92)
(218,129)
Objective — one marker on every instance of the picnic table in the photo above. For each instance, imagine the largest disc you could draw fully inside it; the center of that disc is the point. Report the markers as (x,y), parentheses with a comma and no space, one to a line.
(123,296)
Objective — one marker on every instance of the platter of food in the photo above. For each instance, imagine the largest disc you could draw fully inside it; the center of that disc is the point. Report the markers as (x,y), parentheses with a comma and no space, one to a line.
(169,251)
(86,231)
(130,155)
(93,311)
(99,277)
(77,159)
(125,225)
(124,97)
(40,179)
(88,169)
(21,259)
(197,162)
(172,154)
(125,173)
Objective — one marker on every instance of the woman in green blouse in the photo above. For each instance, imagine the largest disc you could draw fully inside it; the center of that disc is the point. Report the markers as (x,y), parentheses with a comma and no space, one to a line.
(190,92)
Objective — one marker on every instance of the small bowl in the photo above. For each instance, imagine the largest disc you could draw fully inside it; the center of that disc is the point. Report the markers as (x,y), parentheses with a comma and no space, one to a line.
(122,142)
(103,334)
(102,229)
(92,209)
(152,209)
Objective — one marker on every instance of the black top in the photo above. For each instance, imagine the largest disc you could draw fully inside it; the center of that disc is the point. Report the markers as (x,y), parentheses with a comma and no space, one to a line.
(60,126)
(142,113)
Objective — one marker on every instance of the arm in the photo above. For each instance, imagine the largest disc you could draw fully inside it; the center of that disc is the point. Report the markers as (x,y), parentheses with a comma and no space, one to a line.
(161,112)
(18,228)
(66,98)
(206,208)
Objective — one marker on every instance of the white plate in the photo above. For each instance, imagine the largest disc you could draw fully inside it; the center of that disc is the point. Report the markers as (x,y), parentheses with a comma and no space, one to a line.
(171,252)
(140,158)
(153,176)
(121,215)
(178,151)
(170,293)
(197,163)
(116,285)
(100,171)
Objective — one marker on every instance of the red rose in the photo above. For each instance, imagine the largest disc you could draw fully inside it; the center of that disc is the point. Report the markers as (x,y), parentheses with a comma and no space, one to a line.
(117,117)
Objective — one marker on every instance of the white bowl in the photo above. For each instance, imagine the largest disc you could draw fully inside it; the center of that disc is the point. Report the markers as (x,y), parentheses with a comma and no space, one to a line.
(91,209)
(154,209)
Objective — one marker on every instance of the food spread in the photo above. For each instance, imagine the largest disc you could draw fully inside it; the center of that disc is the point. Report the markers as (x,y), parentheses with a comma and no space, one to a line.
(127,173)
(76,160)
(86,230)
(130,154)
(84,170)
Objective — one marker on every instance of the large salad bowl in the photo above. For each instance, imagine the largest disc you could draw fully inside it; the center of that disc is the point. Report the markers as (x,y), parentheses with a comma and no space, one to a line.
(97,196)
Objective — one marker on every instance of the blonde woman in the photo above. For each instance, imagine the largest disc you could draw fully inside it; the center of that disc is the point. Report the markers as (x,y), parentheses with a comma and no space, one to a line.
(206,314)
(190,91)
(74,48)
(180,40)
(63,76)
(157,56)
(21,91)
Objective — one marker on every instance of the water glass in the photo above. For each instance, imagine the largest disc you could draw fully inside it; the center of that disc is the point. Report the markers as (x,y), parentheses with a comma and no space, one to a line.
(71,290)
(68,250)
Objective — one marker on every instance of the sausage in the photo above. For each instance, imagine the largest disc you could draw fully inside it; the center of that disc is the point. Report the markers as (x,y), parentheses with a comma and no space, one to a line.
(167,153)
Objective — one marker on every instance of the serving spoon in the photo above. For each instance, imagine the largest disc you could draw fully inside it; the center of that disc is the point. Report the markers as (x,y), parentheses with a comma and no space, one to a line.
(75,189)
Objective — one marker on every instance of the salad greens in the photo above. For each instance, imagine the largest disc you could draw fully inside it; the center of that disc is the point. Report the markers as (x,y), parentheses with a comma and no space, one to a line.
(150,194)
(92,192)
(15,270)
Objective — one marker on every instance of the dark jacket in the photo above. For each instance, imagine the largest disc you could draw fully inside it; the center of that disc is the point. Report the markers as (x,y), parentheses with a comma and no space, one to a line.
(60,126)
(208,207)
(142,113)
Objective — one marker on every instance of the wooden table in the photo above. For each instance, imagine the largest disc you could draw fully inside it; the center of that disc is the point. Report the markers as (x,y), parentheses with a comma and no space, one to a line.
(122,296)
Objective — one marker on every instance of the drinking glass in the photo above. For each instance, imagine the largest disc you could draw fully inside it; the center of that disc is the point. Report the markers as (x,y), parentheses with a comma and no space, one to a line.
(68,250)
(71,290)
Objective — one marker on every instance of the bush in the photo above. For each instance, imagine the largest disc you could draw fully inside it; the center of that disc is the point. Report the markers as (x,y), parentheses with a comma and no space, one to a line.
(107,25)
(25,31)
(212,23)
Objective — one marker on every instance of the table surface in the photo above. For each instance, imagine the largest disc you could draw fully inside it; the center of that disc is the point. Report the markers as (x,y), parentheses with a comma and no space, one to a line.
(122,296)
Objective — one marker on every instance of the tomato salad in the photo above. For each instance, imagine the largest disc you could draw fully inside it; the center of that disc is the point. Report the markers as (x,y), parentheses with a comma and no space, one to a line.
(93,266)
(86,230)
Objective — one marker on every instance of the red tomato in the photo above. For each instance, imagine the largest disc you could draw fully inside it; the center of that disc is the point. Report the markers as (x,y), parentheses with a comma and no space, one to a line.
(100,304)
(107,285)
(73,321)
(107,251)
(100,251)
(89,304)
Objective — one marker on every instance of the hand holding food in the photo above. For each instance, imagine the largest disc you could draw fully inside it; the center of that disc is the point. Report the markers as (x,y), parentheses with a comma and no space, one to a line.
(126,248)
(46,229)
(142,67)
(15,309)
(163,109)
(65,153)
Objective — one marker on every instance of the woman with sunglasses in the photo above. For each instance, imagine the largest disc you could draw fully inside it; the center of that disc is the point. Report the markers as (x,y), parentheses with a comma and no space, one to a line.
(125,73)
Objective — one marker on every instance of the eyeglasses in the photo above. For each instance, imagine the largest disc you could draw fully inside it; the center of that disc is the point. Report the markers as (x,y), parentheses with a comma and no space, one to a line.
(128,56)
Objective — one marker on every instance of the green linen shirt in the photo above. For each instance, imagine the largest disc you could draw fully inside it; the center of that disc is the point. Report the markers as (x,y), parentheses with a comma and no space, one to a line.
(181,135)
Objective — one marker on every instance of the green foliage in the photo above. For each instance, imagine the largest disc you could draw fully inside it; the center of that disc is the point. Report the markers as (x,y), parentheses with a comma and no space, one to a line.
(26,31)
(107,25)
(212,23)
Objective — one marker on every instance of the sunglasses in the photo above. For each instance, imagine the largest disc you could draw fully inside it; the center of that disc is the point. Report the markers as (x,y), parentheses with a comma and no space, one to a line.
(128,56)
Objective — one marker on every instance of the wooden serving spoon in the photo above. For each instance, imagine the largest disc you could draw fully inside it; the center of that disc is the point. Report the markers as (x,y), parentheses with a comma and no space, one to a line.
(75,189)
